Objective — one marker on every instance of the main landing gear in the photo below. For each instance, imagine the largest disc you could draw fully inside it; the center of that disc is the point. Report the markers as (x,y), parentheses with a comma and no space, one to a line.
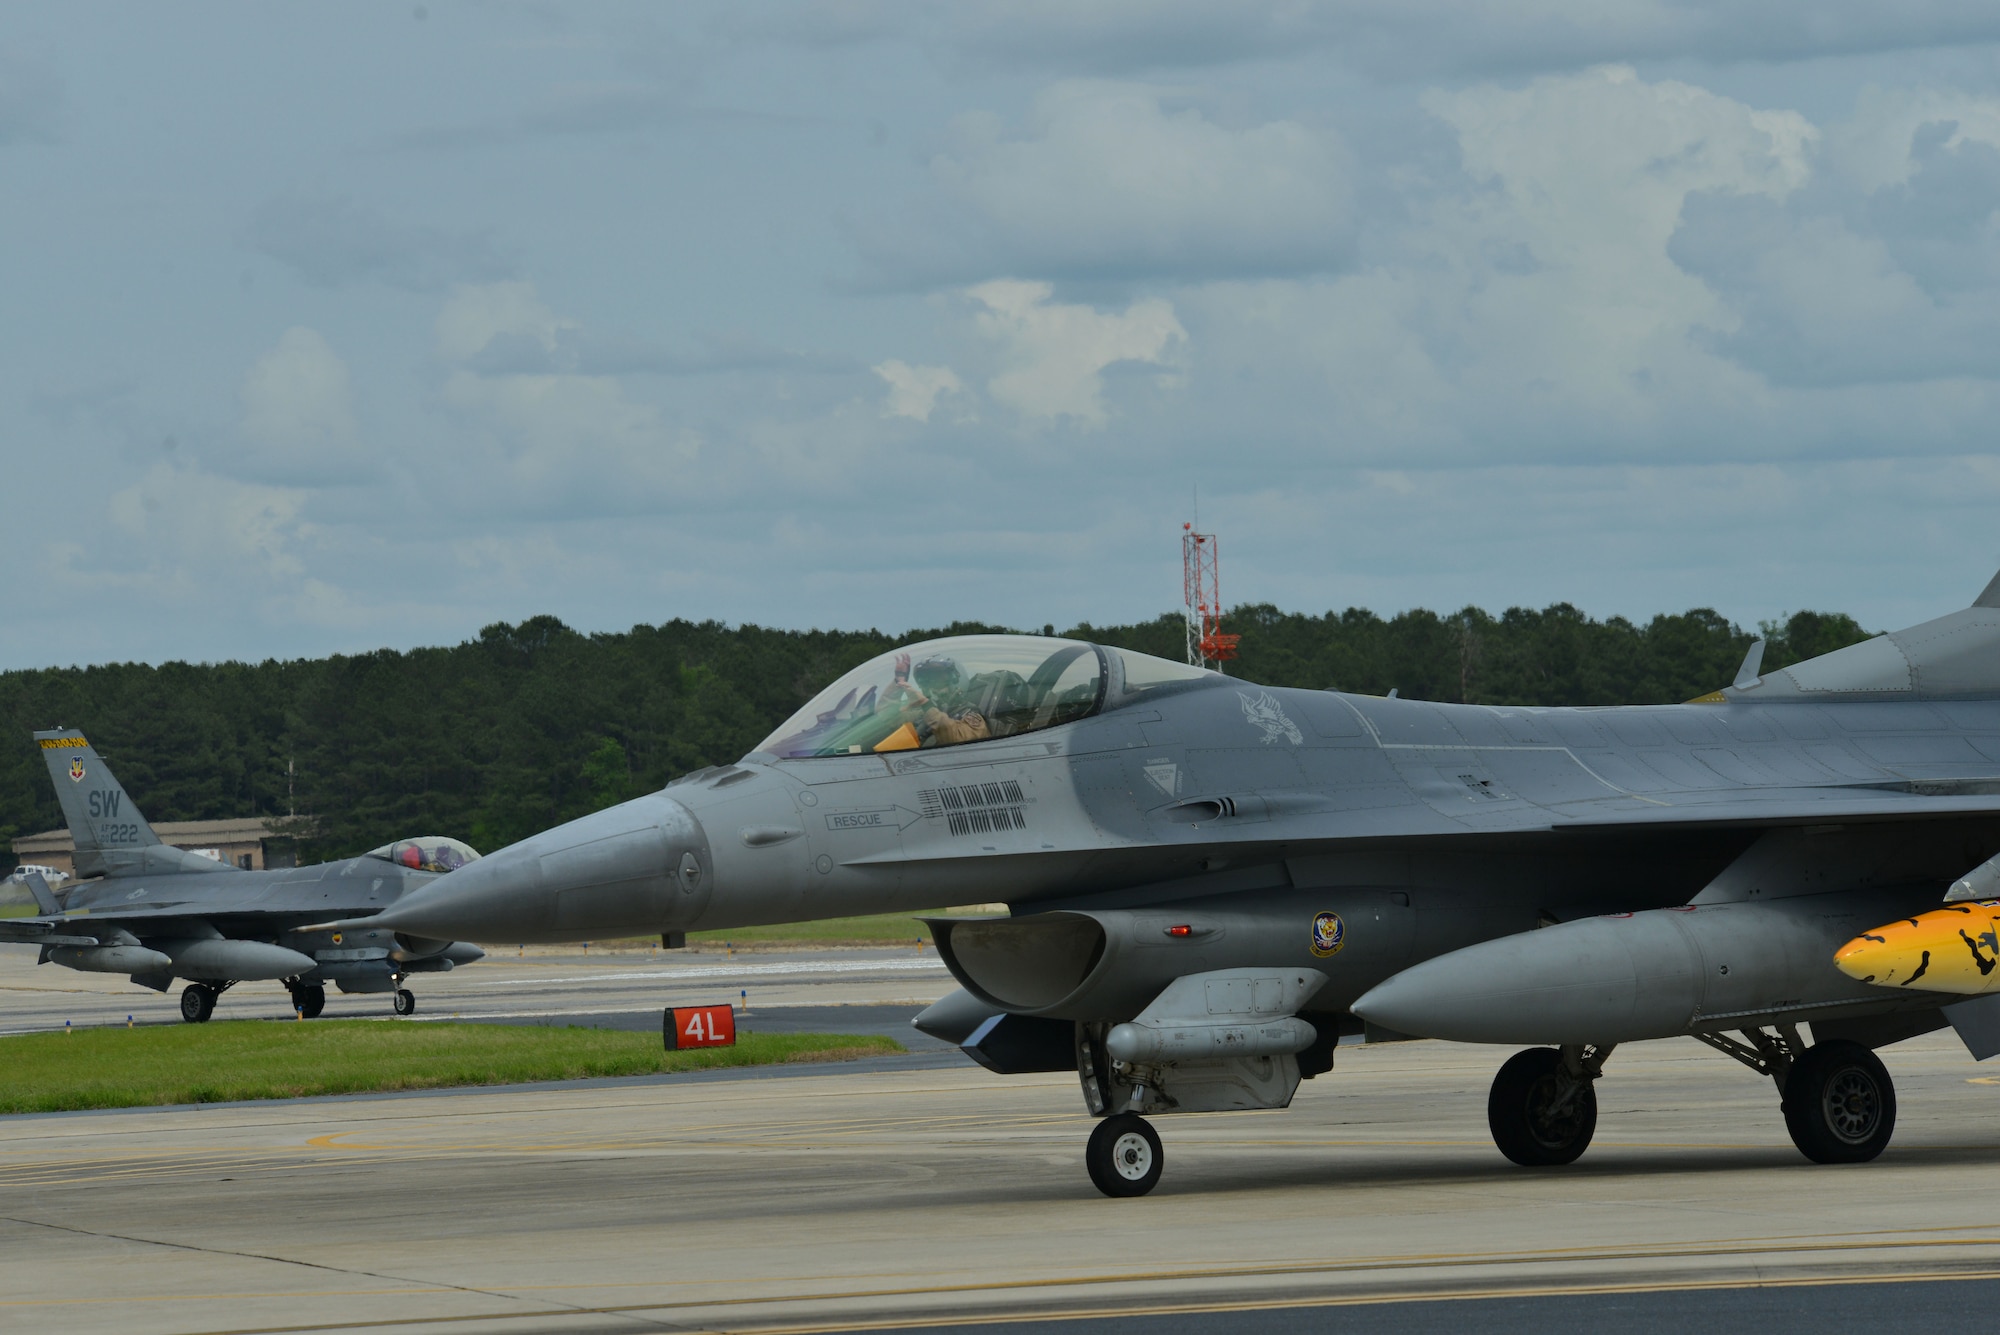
(198,1000)
(1542,1109)
(308,999)
(1124,1156)
(1838,1101)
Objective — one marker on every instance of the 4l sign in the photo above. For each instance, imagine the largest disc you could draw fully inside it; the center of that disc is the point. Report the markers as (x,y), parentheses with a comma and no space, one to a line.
(700,1027)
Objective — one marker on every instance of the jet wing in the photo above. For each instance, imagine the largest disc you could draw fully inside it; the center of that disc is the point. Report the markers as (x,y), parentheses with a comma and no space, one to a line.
(1788,806)
(1327,829)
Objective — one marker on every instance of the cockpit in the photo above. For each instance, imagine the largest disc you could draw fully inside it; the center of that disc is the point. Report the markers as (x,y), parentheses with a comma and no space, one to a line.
(968,688)
(427,853)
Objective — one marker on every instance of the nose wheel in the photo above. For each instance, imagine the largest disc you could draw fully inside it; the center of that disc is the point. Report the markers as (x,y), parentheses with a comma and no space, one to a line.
(406,1001)
(1124,1156)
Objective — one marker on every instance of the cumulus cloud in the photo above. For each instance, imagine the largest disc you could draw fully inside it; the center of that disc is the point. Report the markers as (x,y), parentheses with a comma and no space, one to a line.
(332,241)
(195,527)
(1111,180)
(914,391)
(298,410)
(1054,354)
(1882,270)
(561,441)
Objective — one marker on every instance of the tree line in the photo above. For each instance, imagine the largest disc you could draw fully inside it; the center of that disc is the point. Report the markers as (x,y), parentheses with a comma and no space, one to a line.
(529,725)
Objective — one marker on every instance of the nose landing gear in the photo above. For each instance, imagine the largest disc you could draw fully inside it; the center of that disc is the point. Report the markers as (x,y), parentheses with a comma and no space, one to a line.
(406,1001)
(1124,1156)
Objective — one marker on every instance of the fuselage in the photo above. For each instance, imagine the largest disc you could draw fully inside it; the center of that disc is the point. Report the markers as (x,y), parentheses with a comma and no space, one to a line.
(1427,826)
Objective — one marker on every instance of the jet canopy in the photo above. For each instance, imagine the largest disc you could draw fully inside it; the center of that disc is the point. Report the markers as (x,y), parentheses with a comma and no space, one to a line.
(968,688)
(431,852)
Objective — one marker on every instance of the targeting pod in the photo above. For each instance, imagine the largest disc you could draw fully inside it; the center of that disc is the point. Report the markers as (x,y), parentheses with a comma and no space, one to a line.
(1952,949)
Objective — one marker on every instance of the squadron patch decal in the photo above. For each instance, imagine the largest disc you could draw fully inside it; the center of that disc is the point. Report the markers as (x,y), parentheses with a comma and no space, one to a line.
(76,770)
(1329,935)
(1268,716)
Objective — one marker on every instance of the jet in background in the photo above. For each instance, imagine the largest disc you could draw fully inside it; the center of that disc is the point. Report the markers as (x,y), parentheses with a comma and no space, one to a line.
(1211,881)
(158,913)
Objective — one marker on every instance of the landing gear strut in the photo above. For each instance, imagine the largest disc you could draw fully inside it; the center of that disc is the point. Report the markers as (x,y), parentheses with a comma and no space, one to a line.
(1124,1156)
(1543,1106)
(1838,1100)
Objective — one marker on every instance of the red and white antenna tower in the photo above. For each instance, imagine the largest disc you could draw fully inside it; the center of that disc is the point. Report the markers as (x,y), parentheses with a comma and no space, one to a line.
(1201,578)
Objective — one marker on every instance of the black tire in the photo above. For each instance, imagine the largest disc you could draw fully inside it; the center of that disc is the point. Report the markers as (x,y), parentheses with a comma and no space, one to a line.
(309,1001)
(1124,1156)
(1840,1104)
(197,1003)
(406,1001)
(1526,1123)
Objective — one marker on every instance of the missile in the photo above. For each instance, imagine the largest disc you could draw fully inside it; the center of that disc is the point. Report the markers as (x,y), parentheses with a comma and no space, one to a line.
(1633,976)
(1952,949)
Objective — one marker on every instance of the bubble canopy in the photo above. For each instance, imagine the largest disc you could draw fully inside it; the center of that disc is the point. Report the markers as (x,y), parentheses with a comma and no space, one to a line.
(431,852)
(967,688)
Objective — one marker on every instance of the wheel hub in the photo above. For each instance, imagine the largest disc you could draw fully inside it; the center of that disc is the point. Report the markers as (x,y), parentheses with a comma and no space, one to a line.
(1132,1156)
(1555,1114)
(1853,1105)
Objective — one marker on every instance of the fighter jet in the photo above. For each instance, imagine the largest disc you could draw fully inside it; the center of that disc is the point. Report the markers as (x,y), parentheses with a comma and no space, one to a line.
(157,913)
(1211,882)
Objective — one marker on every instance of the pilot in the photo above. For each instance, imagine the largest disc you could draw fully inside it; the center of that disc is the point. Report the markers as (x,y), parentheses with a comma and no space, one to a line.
(935,702)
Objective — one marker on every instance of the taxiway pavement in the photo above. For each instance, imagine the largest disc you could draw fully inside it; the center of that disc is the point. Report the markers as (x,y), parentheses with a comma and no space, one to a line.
(842,990)
(922,1190)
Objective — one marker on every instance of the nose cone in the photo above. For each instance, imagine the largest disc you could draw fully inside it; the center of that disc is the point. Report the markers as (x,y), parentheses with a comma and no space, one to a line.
(1953,949)
(634,869)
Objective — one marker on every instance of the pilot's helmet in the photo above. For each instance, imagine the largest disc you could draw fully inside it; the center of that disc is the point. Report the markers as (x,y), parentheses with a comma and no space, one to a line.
(939,676)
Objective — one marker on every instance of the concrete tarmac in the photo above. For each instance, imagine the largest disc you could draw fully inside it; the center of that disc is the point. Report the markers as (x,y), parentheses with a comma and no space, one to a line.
(915,1193)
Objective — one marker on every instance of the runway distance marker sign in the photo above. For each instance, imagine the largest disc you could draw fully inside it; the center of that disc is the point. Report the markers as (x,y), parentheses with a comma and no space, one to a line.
(700,1027)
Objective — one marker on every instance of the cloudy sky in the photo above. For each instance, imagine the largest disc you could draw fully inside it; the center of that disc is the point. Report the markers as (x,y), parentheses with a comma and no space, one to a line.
(333,327)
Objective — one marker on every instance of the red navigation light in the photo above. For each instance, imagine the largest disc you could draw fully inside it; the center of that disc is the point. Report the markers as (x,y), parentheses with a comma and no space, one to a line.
(1180,929)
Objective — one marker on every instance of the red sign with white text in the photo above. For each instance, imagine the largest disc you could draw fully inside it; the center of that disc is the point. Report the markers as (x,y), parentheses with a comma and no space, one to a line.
(700,1027)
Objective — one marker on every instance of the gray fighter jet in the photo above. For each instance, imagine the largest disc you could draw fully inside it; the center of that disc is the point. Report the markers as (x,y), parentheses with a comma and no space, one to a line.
(1210,882)
(157,913)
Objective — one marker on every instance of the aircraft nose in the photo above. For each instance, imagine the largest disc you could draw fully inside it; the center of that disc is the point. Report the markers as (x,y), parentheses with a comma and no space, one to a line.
(637,868)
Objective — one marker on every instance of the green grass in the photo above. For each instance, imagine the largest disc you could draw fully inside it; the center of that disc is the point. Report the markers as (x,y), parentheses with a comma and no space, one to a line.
(27,910)
(224,1061)
(881,929)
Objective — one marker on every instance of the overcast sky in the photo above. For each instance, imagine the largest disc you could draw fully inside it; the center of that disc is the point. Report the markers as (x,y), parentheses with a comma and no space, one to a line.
(340,326)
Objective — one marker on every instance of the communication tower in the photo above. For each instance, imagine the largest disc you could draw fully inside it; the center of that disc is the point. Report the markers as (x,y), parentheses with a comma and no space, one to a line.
(1201,579)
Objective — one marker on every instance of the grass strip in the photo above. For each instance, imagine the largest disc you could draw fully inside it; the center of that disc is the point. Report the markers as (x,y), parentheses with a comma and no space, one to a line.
(875,929)
(229,1060)
(879,929)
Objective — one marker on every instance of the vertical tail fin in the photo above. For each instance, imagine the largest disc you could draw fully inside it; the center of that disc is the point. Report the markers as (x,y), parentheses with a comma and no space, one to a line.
(112,838)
